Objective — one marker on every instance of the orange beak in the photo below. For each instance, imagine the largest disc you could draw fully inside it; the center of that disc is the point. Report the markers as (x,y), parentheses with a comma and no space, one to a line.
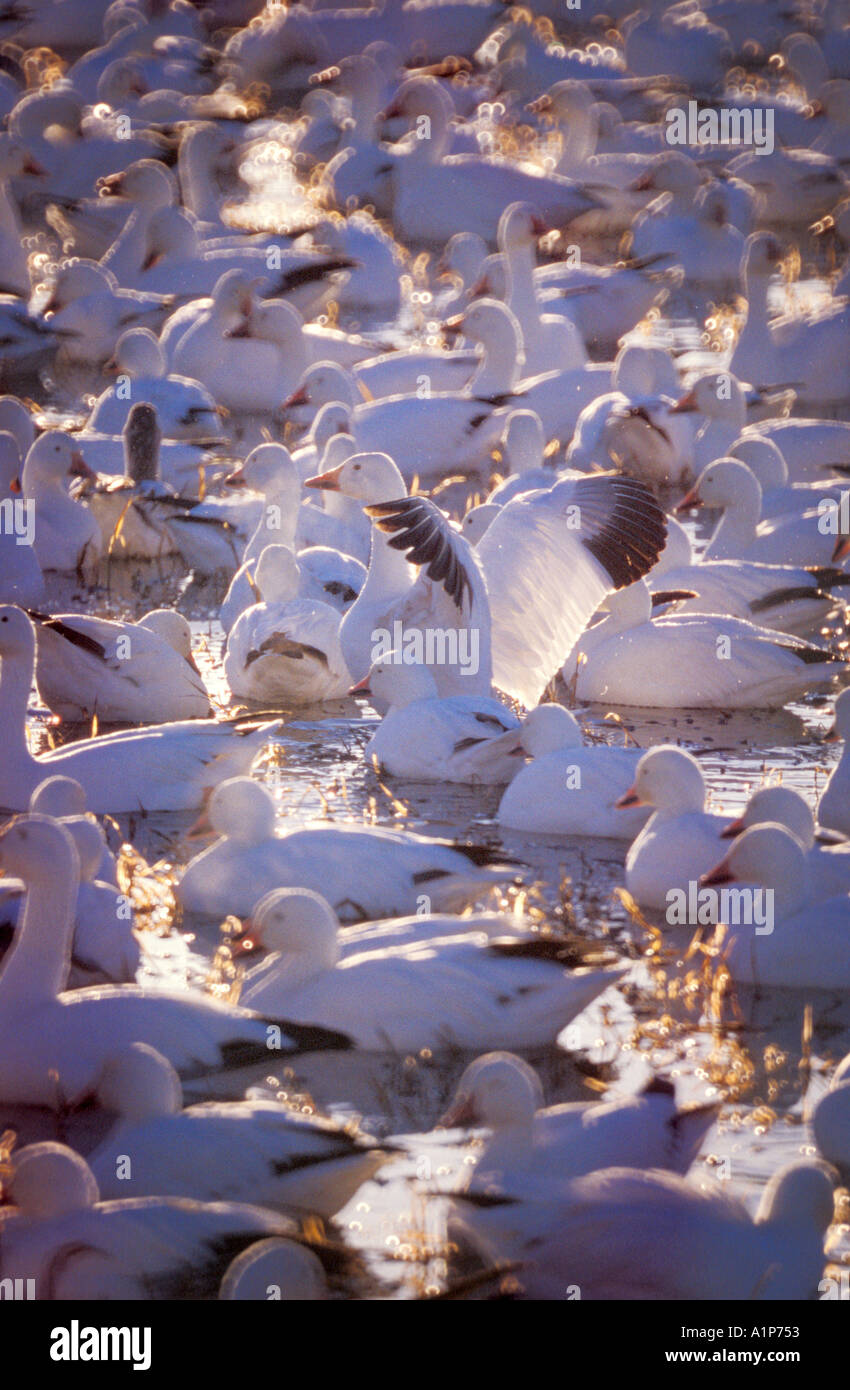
(460,1112)
(15,486)
(735,827)
(629,798)
(80,469)
(833,736)
(299,397)
(328,482)
(32,166)
(236,478)
(244,943)
(361,688)
(201,827)
(684,404)
(690,499)
(721,873)
(842,548)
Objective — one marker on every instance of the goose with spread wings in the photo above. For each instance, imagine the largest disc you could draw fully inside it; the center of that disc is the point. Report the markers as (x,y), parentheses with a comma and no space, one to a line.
(506,612)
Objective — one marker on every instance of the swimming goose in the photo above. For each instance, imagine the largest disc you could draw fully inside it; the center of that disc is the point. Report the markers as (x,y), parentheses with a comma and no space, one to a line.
(66,534)
(834,807)
(285,650)
(317,573)
(570,544)
(829,863)
(569,787)
(623,1234)
(783,597)
(805,942)
(720,661)
(423,738)
(466,991)
(532,1151)
(185,409)
(167,768)
(73,1246)
(53,1045)
(124,673)
(258,1151)
(679,841)
(362,872)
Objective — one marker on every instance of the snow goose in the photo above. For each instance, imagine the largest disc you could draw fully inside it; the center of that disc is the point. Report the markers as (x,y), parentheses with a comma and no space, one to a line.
(834,808)
(804,942)
(467,991)
(719,399)
(285,650)
(317,573)
(461,738)
(362,872)
(15,276)
(104,947)
(231,1152)
(574,543)
(53,1045)
(89,311)
(623,1234)
(679,841)
(130,509)
(435,194)
(550,341)
(812,350)
(123,673)
(21,579)
(789,539)
(62,798)
(627,659)
(569,788)
(532,1151)
(284,517)
(76,1247)
(185,409)
(829,863)
(522,450)
(167,768)
(794,186)
(782,597)
(66,535)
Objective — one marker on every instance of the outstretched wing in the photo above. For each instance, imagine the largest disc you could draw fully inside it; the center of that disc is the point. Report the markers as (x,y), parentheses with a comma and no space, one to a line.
(550,558)
(426,536)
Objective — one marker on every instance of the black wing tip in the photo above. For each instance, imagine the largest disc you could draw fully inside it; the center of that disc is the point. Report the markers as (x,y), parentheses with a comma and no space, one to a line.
(426,537)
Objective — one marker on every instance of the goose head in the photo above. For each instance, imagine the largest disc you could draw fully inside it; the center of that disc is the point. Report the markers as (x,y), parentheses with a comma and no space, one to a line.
(173,628)
(170,237)
(146,182)
(50,1180)
(397,685)
(645,371)
(90,842)
(726,484)
(142,437)
(673,173)
(368,478)
(138,1084)
(278,1264)
(547,728)
(520,228)
(769,855)
(497,1091)
(323,383)
(782,806)
(717,396)
(298,925)
(243,811)
(77,280)
(668,779)
(58,797)
(15,159)
(269,469)
(138,353)
(53,458)
(800,1195)
(276,573)
(424,96)
(462,259)
(478,519)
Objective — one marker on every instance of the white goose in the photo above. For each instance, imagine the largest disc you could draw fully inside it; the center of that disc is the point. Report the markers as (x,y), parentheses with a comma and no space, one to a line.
(533,1151)
(679,841)
(185,409)
(168,768)
(834,808)
(256,1151)
(66,534)
(285,650)
(275,1264)
(541,568)
(691,660)
(362,872)
(831,1122)
(53,1045)
(467,991)
(59,1234)
(317,573)
(124,673)
(460,738)
(62,798)
(569,787)
(623,1234)
(784,597)
(829,863)
(808,944)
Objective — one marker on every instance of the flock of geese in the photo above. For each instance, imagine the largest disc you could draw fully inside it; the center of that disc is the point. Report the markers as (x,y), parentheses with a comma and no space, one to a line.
(353,315)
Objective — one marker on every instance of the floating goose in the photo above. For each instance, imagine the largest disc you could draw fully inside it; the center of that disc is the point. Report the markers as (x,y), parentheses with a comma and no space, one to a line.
(53,1045)
(829,863)
(168,768)
(66,534)
(364,872)
(185,409)
(466,991)
(247,1150)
